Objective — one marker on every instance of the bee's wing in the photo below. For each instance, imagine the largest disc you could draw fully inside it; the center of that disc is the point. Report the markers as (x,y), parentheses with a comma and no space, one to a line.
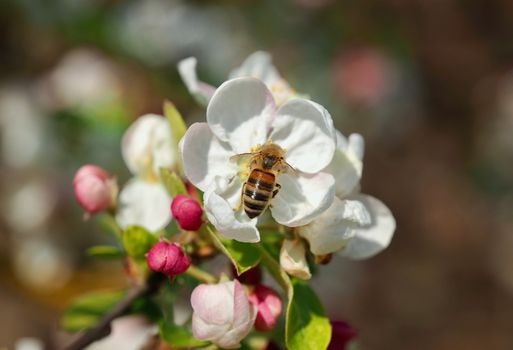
(286,168)
(241,158)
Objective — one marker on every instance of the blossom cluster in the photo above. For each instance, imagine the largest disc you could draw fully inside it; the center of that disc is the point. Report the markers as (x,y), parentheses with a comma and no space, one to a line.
(266,156)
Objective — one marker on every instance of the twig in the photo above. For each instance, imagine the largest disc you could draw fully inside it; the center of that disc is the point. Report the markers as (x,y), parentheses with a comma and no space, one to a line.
(102,328)
(200,275)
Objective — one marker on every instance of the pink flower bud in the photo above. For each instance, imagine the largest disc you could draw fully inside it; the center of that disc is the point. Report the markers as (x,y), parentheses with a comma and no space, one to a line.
(341,334)
(168,258)
(269,306)
(222,313)
(252,277)
(95,189)
(187,212)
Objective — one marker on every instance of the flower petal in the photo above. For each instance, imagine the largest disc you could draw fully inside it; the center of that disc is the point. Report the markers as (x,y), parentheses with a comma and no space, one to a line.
(372,238)
(232,338)
(346,165)
(221,200)
(258,65)
(305,129)
(202,330)
(240,113)
(147,145)
(145,204)
(201,91)
(204,157)
(293,259)
(208,299)
(302,197)
(331,231)
(241,306)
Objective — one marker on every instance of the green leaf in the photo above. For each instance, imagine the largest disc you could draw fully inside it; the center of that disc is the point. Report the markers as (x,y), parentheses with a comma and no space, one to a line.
(179,337)
(86,311)
(244,256)
(106,252)
(172,182)
(138,241)
(175,119)
(307,326)
(108,223)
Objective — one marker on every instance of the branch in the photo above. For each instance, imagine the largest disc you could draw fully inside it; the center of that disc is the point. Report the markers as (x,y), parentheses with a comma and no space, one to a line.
(102,328)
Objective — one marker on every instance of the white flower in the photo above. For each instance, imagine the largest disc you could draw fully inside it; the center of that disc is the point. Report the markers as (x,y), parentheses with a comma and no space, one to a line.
(257,65)
(293,259)
(146,147)
(356,225)
(241,115)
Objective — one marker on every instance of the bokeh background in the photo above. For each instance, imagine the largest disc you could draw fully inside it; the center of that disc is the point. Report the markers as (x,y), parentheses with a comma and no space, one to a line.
(429,83)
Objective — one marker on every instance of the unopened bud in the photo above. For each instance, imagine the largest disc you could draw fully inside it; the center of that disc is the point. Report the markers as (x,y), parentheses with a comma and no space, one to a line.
(187,212)
(293,259)
(168,258)
(222,313)
(95,189)
(252,276)
(341,334)
(269,306)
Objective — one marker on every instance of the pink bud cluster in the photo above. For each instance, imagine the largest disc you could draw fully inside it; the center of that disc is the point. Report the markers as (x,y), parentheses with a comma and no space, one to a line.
(168,258)
(269,306)
(95,189)
(187,211)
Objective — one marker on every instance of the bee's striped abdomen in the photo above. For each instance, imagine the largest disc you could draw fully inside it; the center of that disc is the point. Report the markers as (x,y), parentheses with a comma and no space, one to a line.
(257,192)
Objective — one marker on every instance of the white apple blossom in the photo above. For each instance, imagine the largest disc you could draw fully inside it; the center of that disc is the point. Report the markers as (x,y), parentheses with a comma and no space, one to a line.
(222,313)
(356,226)
(258,65)
(241,115)
(146,146)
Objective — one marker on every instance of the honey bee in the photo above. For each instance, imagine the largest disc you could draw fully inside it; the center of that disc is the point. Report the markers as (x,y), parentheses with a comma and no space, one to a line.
(265,164)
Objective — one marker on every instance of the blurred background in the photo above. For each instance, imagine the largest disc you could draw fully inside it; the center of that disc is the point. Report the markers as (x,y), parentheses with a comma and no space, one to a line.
(428,83)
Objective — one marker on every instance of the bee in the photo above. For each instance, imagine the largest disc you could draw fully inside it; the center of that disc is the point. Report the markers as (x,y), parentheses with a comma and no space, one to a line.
(265,164)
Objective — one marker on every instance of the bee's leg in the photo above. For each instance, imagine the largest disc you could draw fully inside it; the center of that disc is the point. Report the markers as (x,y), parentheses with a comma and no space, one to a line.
(275,192)
(278,188)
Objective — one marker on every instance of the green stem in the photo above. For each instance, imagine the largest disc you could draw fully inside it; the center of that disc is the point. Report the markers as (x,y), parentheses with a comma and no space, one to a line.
(275,270)
(200,275)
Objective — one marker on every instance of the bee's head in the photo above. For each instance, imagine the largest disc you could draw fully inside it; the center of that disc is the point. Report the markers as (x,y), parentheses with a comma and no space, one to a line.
(269,161)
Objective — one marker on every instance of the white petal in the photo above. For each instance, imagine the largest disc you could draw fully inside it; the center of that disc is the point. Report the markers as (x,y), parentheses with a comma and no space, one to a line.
(372,238)
(302,197)
(346,165)
(240,113)
(232,338)
(332,230)
(203,330)
(258,65)
(305,129)
(201,91)
(208,300)
(204,156)
(356,146)
(293,259)
(148,145)
(144,204)
(220,204)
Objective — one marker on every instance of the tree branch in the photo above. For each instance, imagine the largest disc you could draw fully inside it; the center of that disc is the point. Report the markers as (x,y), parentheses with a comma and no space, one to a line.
(102,328)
